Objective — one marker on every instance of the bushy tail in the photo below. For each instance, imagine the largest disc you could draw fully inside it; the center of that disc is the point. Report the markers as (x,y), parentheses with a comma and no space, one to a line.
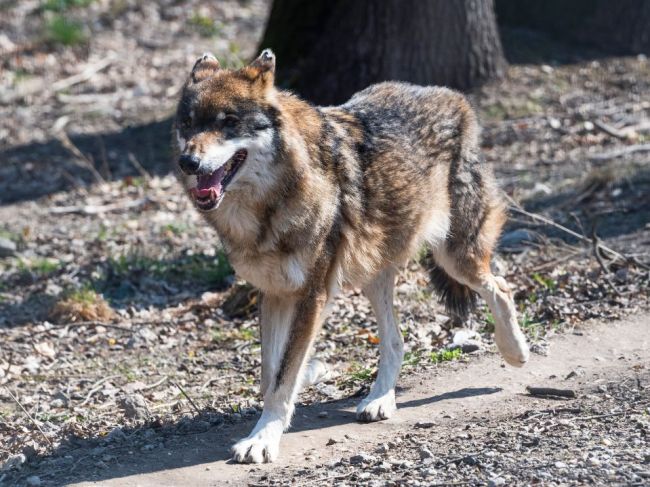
(457,298)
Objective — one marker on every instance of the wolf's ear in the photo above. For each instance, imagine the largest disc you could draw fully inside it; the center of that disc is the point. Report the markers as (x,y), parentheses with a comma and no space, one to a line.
(262,68)
(204,67)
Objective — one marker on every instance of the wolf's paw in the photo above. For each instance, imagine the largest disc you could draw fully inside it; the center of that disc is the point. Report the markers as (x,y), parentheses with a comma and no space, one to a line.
(513,347)
(376,409)
(258,448)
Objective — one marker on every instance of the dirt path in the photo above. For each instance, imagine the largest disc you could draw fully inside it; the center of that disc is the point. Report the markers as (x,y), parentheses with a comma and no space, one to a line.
(445,396)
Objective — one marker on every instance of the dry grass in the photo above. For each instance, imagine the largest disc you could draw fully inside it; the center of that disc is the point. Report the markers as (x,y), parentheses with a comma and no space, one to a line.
(82,305)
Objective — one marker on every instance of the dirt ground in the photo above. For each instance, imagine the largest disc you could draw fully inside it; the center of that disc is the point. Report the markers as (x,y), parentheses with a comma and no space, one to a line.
(119,315)
(467,423)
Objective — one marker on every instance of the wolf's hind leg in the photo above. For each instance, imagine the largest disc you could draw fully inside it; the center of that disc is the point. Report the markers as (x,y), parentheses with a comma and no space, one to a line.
(380,403)
(476,275)
(507,334)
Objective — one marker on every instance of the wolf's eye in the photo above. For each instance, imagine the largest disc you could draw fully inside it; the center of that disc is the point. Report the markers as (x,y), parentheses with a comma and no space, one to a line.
(230,120)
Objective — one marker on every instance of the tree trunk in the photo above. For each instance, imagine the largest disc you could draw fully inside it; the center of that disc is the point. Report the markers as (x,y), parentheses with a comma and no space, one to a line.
(328,49)
(621,26)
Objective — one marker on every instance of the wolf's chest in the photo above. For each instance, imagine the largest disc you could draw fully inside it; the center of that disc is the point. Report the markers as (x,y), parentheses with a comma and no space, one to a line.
(274,273)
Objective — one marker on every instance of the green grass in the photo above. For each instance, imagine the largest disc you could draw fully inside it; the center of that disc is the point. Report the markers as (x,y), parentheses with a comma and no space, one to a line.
(85,295)
(412,359)
(445,355)
(196,268)
(64,5)
(39,265)
(204,25)
(14,237)
(175,228)
(490,322)
(62,30)
(358,374)
(546,282)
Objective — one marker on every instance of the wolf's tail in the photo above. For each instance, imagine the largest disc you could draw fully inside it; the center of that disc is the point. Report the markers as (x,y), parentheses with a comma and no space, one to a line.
(457,298)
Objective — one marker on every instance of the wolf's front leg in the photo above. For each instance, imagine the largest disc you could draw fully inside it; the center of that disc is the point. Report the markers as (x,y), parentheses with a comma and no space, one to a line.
(380,403)
(288,326)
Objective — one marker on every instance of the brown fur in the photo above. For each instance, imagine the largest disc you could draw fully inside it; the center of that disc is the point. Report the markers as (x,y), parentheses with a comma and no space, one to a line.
(348,192)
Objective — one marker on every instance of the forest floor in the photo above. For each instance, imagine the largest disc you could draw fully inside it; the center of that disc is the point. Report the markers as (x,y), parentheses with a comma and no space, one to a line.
(119,316)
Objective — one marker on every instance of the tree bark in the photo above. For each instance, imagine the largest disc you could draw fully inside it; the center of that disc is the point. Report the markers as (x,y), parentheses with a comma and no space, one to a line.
(621,26)
(328,49)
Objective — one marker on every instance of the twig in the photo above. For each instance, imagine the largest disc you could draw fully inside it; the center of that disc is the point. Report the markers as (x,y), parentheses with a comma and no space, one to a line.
(198,411)
(97,209)
(630,149)
(96,386)
(86,163)
(613,131)
(155,384)
(132,324)
(550,391)
(514,206)
(29,416)
(139,167)
(603,265)
(215,379)
(85,75)
(599,416)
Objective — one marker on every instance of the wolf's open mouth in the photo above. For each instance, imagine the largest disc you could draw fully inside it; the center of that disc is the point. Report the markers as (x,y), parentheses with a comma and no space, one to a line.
(210,188)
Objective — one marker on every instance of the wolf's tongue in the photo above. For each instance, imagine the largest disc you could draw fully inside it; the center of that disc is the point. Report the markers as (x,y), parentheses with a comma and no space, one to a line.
(209,183)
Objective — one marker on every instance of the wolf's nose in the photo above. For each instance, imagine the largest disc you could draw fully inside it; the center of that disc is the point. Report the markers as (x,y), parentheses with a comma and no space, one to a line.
(189,163)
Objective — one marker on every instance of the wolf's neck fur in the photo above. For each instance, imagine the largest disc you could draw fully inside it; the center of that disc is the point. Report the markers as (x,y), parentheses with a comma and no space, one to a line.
(296,215)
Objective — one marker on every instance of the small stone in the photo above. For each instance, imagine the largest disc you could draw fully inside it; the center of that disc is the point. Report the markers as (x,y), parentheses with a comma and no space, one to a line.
(383,467)
(14,461)
(496,481)
(425,453)
(7,247)
(116,435)
(34,480)
(135,407)
(560,465)
(383,448)
(554,123)
(424,425)
(332,441)
(362,458)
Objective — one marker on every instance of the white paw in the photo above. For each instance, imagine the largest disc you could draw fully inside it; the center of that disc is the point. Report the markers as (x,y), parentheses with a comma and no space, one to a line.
(258,448)
(315,372)
(376,409)
(513,347)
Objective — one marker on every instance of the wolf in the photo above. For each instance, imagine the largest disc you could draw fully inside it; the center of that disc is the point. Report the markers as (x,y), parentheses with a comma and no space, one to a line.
(308,200)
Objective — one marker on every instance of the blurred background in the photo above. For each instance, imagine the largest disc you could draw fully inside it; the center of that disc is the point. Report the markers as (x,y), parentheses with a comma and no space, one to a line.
(111,286)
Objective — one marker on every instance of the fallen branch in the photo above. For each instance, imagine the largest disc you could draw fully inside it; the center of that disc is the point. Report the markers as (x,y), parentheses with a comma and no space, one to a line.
(550,392)
(609,130)
(30,417)
(630,149)
(514,206)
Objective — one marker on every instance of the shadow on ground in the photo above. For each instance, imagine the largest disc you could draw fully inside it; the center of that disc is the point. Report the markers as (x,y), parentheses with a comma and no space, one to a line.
(42,168)
(129,281)
(205,438)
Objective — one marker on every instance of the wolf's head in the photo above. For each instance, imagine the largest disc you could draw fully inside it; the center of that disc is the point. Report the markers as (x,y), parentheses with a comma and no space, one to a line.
(227,129)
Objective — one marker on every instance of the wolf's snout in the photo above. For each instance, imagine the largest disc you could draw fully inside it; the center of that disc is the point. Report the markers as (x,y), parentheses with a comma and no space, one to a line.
(189,164)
